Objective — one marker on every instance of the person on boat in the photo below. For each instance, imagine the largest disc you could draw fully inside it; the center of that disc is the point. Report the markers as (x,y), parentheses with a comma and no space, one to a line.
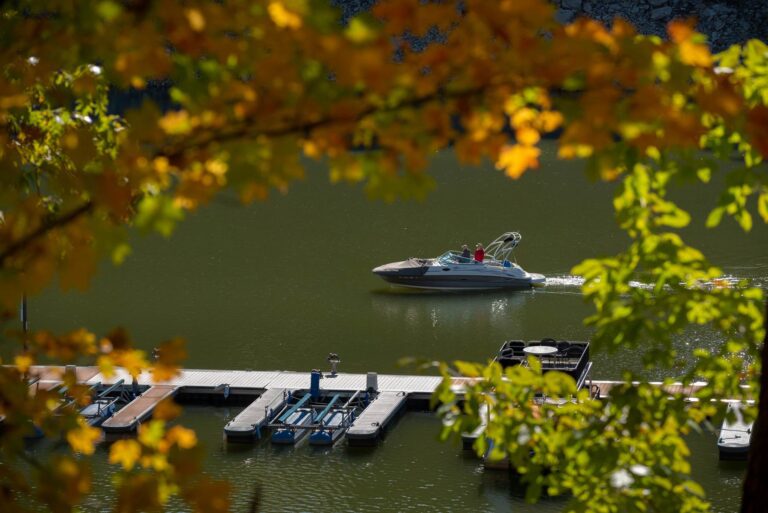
(465,255)
(479,253)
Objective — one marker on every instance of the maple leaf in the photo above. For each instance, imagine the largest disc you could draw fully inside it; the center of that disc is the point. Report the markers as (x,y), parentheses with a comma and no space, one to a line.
(169,356)
(83,437)
(166,409)
(23,362)
(516,159)
(181,436)
(283,17)
(125,453)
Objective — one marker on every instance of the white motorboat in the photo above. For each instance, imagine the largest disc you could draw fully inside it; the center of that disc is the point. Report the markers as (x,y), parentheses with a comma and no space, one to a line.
(455,271)
(735,435)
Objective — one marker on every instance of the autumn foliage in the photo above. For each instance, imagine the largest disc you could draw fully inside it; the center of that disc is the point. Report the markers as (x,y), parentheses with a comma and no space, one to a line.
(251,87)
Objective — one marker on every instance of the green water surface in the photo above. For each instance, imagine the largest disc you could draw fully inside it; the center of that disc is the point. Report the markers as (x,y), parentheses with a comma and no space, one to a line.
(279,285)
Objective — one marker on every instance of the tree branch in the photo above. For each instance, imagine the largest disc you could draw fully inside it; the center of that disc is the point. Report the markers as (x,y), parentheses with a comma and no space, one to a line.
(250,130)
(58,222)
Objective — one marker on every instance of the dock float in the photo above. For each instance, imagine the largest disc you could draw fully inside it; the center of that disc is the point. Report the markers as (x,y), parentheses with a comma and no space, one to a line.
(247,426)
(129,417)
(367,428)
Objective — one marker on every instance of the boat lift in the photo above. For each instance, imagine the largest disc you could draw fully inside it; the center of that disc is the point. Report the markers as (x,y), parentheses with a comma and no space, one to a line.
(323,422)
(289,427)
(331,424)
(102,407)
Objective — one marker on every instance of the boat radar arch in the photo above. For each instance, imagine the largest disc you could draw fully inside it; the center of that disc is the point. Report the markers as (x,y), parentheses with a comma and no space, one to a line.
(503,245)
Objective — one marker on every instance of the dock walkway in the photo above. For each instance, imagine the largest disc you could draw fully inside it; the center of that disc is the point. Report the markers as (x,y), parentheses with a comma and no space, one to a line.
(138,410)
(271,389)
(367,428)
(247,425)
(256,382)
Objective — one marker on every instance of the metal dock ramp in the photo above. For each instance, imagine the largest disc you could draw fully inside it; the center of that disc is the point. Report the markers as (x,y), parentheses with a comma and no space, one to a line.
(141,408)
(368,427)
(247,425)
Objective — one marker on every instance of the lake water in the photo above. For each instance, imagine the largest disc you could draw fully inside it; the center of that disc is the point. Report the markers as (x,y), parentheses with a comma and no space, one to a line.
(279,285)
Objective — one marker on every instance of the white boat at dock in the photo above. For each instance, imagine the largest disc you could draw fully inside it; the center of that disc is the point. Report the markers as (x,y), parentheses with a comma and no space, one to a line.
(735,435)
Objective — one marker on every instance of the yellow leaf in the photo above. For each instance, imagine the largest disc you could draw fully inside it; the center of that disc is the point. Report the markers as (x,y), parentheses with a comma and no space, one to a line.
(169,355)
(183,437)
(133,360)
(695,54)
(125,452)
(283,17)
(83,437)
(522,117)
(515,160)
(106,366)
(359,32)
(151,433)
(572,151)
(177,123)
(527,136)
(23,362)
(692,52)
(195,19)
(549,120)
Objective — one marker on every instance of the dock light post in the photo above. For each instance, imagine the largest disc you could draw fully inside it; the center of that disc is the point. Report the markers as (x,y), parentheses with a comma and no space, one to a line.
(334,360)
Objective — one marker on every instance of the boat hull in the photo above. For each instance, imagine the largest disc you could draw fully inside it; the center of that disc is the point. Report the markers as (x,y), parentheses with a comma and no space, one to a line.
(733,452)
(462,282)
(735,435)
(451,273)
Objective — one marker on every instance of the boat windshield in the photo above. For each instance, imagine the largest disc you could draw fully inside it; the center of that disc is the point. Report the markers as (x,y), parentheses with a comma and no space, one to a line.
(452,257)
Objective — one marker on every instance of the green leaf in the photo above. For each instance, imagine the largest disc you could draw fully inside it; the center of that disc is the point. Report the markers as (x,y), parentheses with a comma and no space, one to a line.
(360,31)
(109,10)
(158,213)
(762,205)
(714,217)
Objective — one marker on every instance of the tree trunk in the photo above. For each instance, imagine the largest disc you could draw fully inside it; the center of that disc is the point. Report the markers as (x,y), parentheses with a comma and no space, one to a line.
(755,498)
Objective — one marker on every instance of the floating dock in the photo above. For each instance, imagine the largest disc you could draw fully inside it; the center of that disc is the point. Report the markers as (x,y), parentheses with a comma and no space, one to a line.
(268,393)
(368,427)
(248,424)
(134,413)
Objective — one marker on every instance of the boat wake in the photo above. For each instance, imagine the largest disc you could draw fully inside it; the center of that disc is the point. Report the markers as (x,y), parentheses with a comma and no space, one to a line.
(565,282)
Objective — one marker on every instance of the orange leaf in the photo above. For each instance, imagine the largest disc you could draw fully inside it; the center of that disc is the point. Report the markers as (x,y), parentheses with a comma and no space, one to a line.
(181,436)
(169,356)
(83,437)
(283,17)
(166,409)
(23,362)
(757,128)
(527,136)
(515,160)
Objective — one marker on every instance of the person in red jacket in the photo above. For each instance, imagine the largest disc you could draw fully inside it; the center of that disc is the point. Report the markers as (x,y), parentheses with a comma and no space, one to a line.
(479,253)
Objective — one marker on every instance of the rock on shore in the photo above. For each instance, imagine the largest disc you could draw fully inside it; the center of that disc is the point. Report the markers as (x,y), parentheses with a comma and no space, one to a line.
(725,22)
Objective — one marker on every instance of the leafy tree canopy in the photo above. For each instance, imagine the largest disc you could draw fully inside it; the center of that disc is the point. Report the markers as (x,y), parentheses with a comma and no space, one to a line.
(247,88)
